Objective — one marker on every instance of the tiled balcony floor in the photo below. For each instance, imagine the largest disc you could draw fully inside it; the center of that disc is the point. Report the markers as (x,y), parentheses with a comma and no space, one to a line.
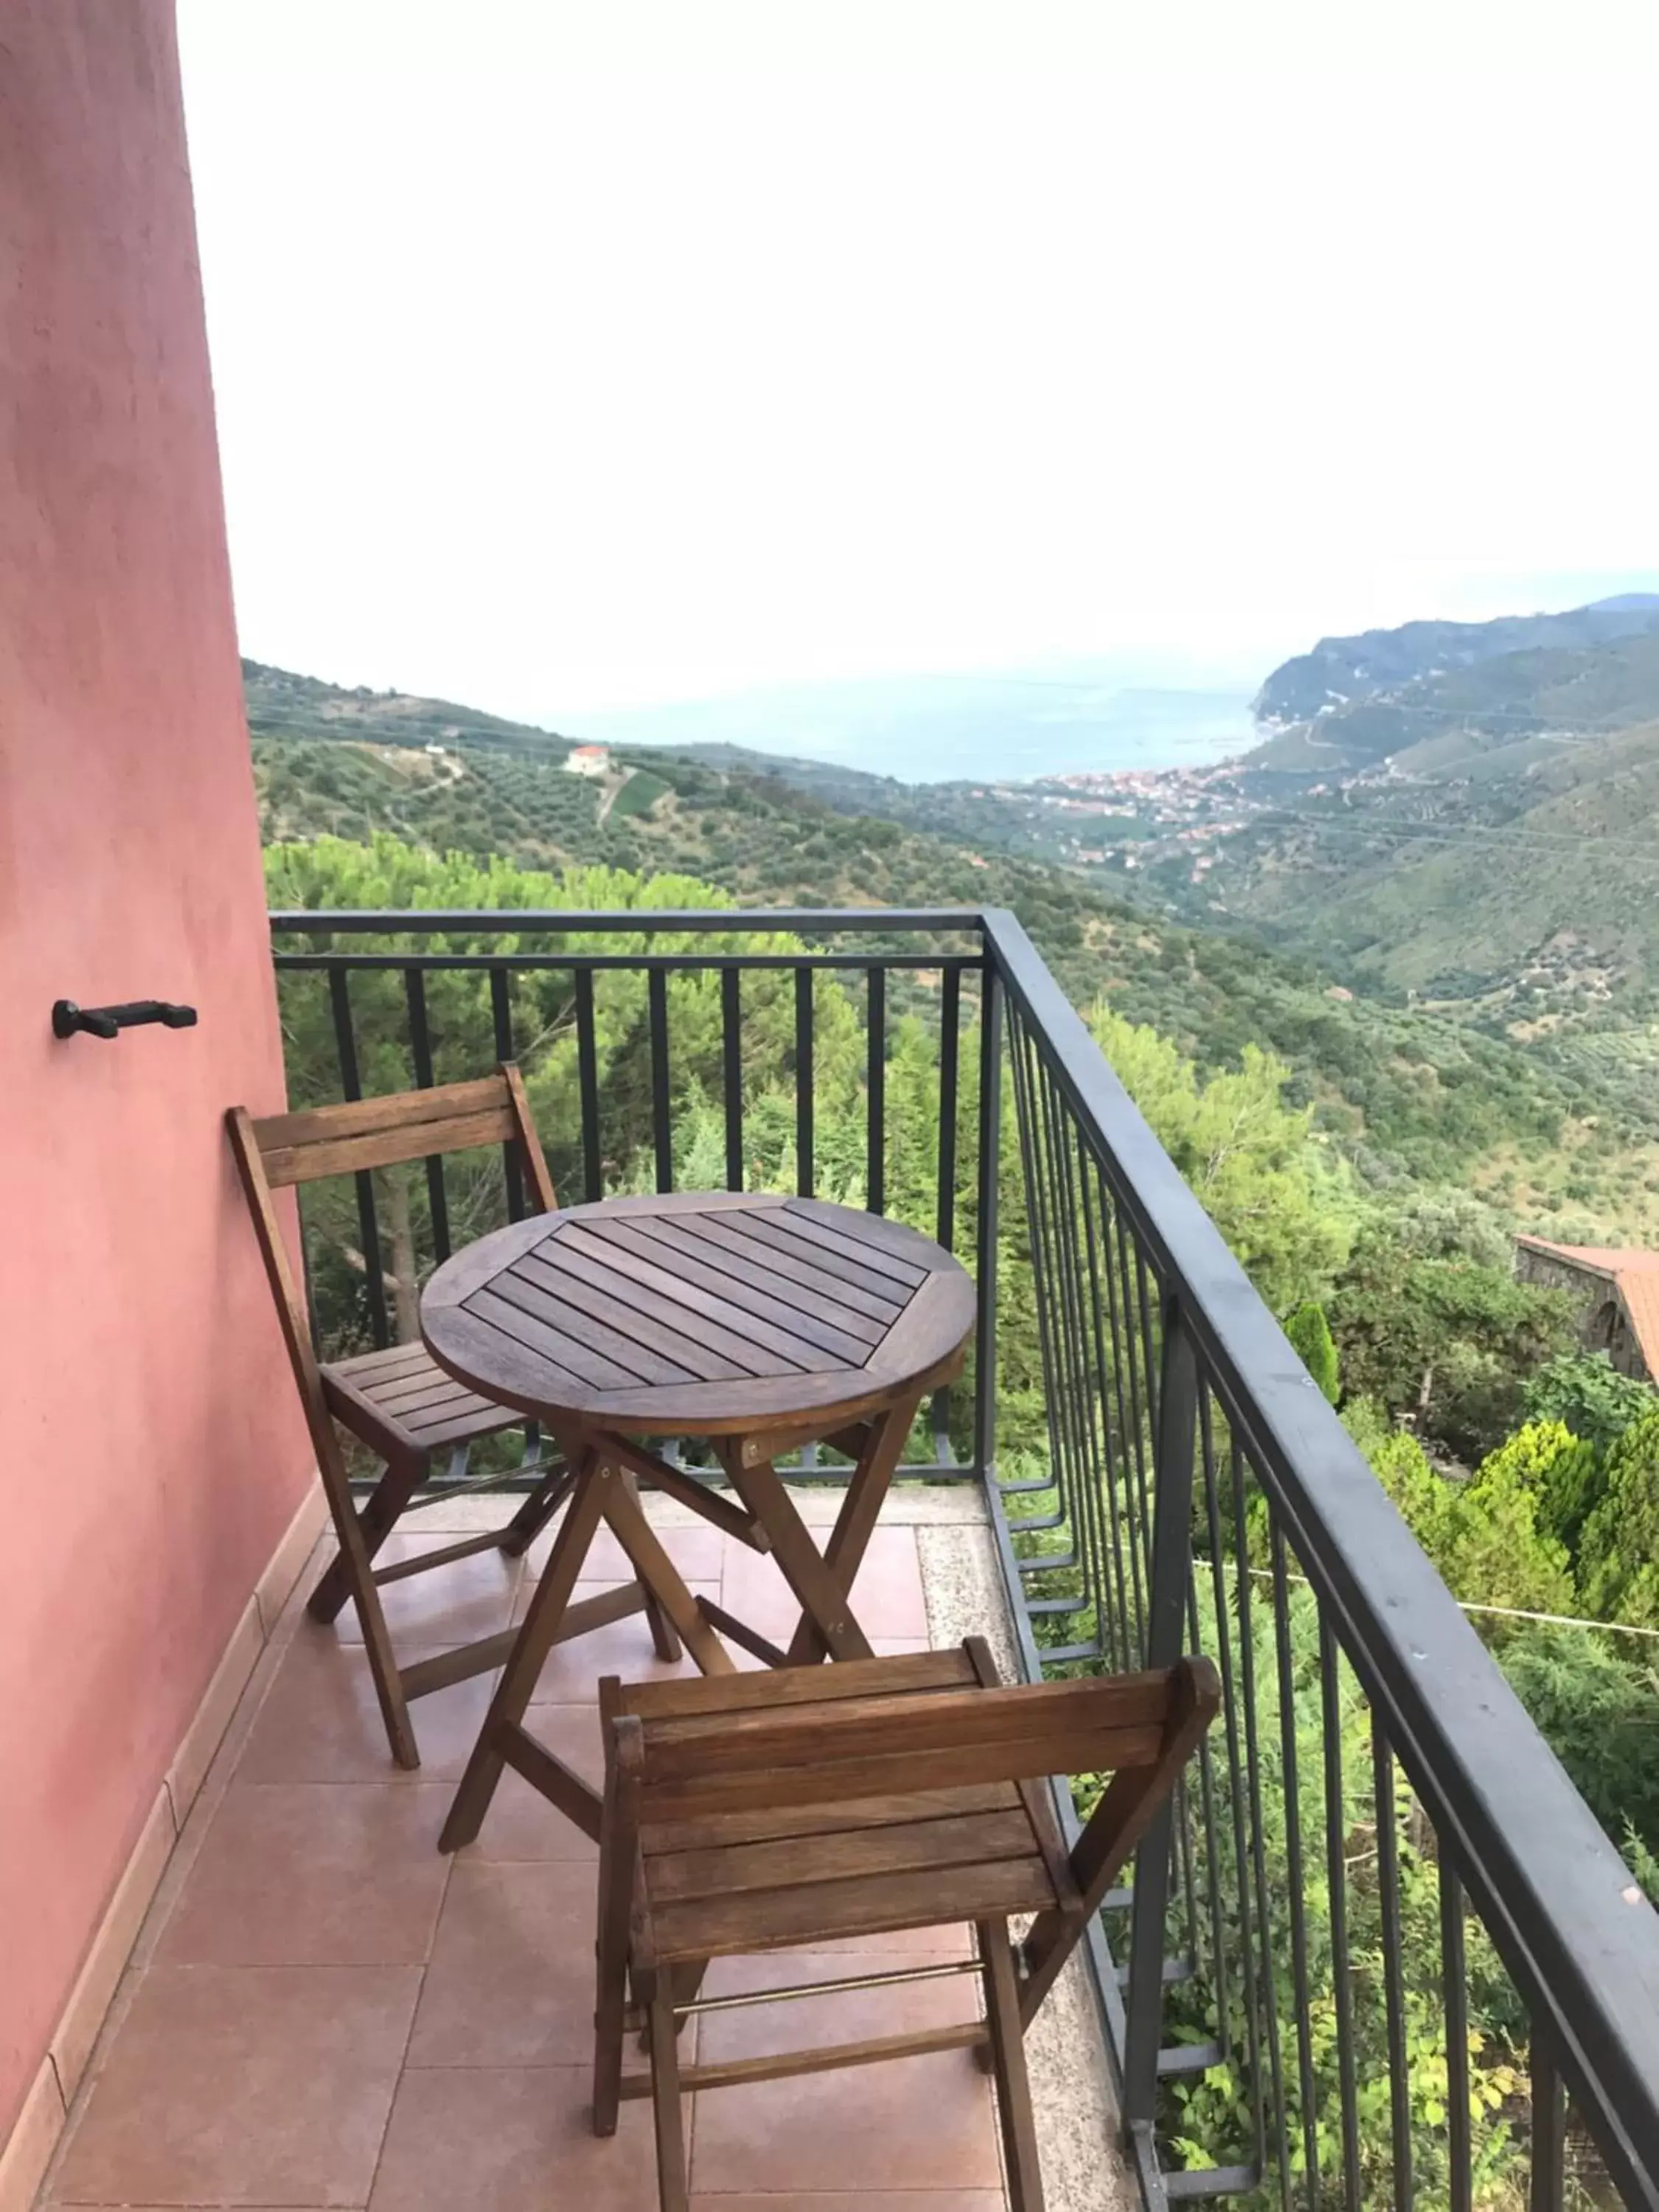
(323,2011)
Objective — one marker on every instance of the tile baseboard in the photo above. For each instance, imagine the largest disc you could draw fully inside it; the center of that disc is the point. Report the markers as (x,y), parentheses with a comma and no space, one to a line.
(27,2151)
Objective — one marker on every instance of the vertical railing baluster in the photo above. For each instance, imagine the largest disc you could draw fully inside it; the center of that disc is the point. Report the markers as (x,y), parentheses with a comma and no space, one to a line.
(1547,2187)
(1460,2147)
(1253,1757)
(1336,1872)
(804,1081)
(1088,1536)
(587,1084)
(731,1073)
(1212,1837)
(1294,1866)
(1130,1532)
(1129,1627)
(500,1007)
(1236,1779)
(1048,1275)
(345,1045)
(420,1043)
(950,1043)
(1166,1627)
(986,1217)
(1082,1263)
(1060,1390)
(875,1094)
(1394,1974)
(662,1135)
(945,1222)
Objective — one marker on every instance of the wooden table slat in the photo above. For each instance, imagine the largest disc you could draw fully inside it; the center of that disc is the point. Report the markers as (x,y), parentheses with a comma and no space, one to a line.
(747,1241)
(788,1351)
(582,1287)
(523,1329)
(529,1292)
(793,1306)
(868,1237)
(602,1282)
(774,1230)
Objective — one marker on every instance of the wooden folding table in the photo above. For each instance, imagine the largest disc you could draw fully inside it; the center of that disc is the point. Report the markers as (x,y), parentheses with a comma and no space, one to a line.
(761,1323)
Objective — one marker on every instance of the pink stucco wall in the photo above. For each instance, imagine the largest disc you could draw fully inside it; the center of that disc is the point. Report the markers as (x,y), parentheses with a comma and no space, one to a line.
(151,1457)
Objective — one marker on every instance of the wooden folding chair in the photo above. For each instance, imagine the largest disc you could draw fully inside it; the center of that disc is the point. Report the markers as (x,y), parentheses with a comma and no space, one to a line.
(398,1401)
(759,1812)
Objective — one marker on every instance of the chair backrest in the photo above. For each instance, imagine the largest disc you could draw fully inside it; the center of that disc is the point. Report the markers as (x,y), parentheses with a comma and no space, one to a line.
(674,1767)
(368,1132)
(409,1125)
(694,1767)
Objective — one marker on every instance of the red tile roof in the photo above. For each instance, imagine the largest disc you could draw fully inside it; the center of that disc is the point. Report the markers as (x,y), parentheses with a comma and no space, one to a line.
(1634,1275)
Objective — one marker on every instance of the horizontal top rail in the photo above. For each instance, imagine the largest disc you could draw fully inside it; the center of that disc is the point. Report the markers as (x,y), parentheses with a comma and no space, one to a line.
(671,963)
(530,921)
(1575,1930)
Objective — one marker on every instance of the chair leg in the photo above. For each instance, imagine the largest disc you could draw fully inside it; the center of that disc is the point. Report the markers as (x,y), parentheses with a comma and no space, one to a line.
(610,2010)
(685,1982)
(529,1655)
(380,1515)
(662,1581)
(671,2195)
(1013,2088)
(538,1510)
(358,1575)
(883,1447)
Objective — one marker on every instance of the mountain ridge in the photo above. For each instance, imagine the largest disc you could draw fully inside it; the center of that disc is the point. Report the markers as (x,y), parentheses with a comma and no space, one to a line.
(1339,670)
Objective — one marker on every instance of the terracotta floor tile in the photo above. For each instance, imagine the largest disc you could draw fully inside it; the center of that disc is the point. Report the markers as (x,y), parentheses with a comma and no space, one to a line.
(572,1734)
(520,1824)
(243,2085)
(321,1722)
(452,1604)
(695,1549)
(313,1873)
(488,2139)
(624,1648)
(887,1595)
(913,2124)
(511,1979)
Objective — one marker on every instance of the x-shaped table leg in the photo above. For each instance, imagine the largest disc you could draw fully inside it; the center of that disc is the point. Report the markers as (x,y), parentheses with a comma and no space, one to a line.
(822,1580)
(605,1491)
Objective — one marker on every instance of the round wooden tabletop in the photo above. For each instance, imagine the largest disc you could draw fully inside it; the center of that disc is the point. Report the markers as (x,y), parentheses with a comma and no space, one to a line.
(699,1313)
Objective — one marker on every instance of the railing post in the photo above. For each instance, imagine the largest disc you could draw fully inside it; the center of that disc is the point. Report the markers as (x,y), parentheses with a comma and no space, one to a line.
(990,1165)
(1166,1638)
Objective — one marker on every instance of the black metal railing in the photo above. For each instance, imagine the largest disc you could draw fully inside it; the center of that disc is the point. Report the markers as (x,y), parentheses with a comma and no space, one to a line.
(1378,1954)
(778,1054)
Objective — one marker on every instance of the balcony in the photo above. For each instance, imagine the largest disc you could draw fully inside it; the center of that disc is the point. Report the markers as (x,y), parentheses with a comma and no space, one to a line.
(1376,1954)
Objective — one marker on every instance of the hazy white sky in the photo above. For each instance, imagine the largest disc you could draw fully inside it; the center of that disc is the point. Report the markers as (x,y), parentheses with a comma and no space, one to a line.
(577,354)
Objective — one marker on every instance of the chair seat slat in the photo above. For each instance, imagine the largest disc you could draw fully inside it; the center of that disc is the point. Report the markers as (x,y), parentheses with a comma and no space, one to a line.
(905,1847)
(761,1920)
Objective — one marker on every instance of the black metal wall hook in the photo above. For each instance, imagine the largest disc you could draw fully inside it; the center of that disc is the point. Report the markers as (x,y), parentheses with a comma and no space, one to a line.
(104,1021)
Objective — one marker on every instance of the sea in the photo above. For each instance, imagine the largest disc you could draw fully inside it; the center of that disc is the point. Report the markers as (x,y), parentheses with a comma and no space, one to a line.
(952,728)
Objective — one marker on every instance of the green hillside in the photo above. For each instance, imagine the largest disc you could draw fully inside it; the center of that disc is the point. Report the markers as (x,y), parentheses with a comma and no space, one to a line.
(1414,1098)
(282,705)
